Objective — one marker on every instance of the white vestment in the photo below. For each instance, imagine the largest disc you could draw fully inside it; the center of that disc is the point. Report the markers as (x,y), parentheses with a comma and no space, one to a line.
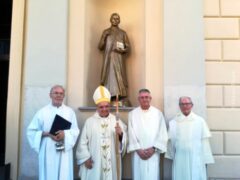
(53,165)
(189,147)
(97,141)
(146,128)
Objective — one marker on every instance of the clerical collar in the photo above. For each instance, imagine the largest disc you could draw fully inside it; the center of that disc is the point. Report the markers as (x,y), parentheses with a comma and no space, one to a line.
(56,106)
(98,116)
(145,110)
(182,117)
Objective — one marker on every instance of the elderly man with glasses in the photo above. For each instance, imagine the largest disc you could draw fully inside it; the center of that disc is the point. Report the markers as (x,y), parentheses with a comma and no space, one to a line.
(188,145)
(55,162)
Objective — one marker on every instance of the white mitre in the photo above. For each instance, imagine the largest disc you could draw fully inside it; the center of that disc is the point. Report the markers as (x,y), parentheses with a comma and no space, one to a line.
(101,94)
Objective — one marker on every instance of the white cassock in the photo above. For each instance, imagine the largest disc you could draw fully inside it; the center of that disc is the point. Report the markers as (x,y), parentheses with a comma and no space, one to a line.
(53,165)
(189,147)
(97,141)
(146,128)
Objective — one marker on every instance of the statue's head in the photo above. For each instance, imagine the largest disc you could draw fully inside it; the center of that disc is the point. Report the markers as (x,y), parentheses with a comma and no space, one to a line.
(115,19)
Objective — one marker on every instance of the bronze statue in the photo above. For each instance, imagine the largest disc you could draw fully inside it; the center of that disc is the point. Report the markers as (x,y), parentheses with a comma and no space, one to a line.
(114,42)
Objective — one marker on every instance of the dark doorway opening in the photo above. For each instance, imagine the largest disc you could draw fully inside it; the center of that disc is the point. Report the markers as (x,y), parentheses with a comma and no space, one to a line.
(5,35)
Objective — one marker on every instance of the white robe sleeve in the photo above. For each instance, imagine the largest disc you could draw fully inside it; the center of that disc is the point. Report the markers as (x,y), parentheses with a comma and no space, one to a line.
(161,139)
(170,153)
(123,144)
(170,148)
(34,133)
(207,153)
(82,152)
(205,130)
(133,144)
(71,135)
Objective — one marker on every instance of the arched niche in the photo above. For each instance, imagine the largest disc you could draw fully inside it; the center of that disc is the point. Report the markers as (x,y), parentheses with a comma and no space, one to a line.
(142,20)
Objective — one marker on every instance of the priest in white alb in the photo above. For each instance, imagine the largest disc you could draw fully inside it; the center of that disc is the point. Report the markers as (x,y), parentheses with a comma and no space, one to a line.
(188,145)
(54,163)
(147,138)
(98,153)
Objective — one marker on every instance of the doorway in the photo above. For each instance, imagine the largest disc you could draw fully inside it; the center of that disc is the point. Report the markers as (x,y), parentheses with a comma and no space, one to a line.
(5,35)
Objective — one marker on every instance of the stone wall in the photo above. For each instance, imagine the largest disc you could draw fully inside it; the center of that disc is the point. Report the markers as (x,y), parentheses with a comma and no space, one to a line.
(222,42)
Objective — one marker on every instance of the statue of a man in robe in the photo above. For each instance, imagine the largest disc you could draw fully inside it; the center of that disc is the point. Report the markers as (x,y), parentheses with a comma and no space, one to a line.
(115,44)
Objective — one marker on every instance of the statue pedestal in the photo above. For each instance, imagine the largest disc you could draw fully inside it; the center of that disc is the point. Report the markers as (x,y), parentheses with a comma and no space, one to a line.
(123,103)
(85,112)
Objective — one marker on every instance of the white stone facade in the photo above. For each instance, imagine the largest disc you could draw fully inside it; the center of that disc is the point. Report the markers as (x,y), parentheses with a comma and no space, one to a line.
(222,47)
(167,36)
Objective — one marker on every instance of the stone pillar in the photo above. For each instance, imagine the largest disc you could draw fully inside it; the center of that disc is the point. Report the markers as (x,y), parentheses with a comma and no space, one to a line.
(154,50)
(14,86)
(45,64)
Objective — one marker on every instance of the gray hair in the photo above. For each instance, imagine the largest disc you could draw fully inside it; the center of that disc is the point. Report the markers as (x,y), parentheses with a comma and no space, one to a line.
(144,90)
(57,86)
(185,97)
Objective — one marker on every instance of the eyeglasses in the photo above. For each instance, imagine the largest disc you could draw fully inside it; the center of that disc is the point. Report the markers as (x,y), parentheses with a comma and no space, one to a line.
(58,93)
(185,104)
(144,97)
